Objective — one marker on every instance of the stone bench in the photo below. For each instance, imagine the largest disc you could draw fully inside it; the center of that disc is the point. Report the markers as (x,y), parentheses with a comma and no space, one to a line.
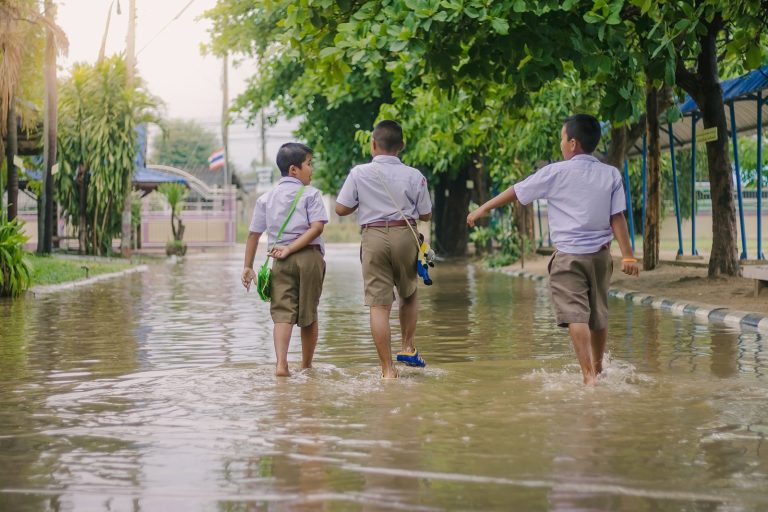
(760,274)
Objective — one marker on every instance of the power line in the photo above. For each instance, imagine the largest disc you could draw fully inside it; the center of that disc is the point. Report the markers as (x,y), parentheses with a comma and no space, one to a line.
(166,26)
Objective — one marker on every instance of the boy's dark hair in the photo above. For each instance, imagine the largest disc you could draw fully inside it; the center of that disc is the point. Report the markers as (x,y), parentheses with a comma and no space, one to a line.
(585,129)
(291,153)
(388,135)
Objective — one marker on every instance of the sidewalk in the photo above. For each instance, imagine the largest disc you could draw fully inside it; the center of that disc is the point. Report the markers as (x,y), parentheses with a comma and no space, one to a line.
(681,287)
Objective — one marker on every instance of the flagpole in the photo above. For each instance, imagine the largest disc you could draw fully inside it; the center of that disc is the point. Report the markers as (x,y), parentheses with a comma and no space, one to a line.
(225,120)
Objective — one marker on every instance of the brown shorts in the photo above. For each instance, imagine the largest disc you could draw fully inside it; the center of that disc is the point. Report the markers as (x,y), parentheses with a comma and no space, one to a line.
(579,287)
(297,282)
(389,257)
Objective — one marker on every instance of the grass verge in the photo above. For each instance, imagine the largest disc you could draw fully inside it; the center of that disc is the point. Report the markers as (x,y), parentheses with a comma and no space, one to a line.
(53,270)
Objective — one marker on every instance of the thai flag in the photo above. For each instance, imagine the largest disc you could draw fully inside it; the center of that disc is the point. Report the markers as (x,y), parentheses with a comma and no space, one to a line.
(216,160)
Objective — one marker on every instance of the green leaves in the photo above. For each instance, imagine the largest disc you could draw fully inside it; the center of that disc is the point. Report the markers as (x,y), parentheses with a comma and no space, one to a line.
(15,270)
(97,147)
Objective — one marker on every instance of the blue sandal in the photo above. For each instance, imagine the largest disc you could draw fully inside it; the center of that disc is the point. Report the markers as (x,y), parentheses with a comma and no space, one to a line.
(411,358)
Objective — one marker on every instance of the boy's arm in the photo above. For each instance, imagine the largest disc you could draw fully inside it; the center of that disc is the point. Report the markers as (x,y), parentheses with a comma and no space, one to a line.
(250,253)
(505,197)
(342,210)
(314,231)
(619,228)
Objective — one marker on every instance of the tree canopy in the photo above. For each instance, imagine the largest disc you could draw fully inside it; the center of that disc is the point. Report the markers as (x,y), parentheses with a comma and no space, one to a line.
(183,143)
(98,115)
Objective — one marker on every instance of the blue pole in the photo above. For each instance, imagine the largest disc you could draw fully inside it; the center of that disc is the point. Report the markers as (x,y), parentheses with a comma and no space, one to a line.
(760,254)
(694,118)
(738,181)
(674,190)
(629,204)
(645,173)
(538,213)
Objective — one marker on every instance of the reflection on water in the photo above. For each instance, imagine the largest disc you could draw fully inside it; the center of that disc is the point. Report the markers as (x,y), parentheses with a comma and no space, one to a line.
(156,392)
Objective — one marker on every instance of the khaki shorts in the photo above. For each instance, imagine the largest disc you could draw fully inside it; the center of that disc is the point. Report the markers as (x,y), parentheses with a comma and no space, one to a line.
(297,282)
(579,287)
(389,257)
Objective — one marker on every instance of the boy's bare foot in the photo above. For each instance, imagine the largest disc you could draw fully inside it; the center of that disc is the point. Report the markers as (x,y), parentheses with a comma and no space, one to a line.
(392,374)
(590,380)
(282,372)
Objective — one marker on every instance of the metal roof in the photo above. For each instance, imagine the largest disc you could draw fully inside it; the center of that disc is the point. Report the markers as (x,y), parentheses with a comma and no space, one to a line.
(741,91)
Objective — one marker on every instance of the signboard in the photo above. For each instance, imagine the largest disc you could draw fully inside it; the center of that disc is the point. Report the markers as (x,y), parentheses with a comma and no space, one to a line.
(18,162)
(706,135)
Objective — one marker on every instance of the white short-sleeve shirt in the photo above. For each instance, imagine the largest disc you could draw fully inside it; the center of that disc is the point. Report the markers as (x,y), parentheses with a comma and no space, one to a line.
(363,188)
(582,193)
(272,208)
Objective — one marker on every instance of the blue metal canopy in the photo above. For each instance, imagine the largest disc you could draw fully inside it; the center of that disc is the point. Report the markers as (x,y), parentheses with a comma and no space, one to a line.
(735,89)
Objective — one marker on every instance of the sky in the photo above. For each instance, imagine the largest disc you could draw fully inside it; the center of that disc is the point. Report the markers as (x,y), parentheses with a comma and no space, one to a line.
(170,61)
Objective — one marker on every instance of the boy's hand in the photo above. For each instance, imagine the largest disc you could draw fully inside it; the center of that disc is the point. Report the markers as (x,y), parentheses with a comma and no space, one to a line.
(629,267)
(473,216)
(281,252)
(248,277)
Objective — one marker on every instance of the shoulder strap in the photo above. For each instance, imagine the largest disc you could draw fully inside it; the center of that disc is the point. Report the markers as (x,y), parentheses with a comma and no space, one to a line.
(285,222)
(406,219)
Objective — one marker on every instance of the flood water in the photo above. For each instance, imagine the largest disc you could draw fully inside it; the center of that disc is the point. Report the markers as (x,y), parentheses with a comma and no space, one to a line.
(155,392)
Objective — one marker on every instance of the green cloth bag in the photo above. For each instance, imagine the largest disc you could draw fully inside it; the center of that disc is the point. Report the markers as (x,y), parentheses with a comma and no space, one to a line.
(264,275)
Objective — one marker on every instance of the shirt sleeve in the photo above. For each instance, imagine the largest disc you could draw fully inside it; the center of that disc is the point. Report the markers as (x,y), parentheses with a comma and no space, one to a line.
(259,219)
(534,186)
(348,193)
(618,199)
(316,208)
(423,201)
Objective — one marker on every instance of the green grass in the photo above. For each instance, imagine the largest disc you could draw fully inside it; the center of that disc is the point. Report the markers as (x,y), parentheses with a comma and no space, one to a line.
(54,270)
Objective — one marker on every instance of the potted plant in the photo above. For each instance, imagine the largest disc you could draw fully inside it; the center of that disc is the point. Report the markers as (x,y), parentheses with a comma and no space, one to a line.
(175,193)
(15,272)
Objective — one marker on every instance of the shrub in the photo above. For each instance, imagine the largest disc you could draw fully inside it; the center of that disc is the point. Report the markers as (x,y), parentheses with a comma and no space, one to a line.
(15,271)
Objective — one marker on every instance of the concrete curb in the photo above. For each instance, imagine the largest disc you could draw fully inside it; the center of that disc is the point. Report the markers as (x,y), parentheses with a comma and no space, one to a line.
(708,312)
(37,291)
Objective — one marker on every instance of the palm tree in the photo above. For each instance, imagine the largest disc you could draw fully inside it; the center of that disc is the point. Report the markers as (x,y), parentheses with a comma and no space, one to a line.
(22,38)
(175,193)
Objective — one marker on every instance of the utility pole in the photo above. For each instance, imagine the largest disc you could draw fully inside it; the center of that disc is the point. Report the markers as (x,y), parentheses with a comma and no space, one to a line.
(263,137)
(130,64)
(225,118)
(45,216)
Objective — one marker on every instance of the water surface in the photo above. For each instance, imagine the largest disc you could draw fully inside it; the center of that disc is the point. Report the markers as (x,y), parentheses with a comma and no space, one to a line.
(155,392)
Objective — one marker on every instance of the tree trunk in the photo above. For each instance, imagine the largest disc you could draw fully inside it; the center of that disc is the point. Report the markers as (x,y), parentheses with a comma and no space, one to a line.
(480,194)
(82,220)
(451,209)
(12,184)
(523,216)
(704,88)
(45,244)
(653,172)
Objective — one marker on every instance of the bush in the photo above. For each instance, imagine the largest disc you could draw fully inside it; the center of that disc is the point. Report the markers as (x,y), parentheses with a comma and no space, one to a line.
(15,271)
(503,237)
(175,248)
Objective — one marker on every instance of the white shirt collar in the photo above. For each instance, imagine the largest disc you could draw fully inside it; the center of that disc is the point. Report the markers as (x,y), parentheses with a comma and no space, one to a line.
(386,159)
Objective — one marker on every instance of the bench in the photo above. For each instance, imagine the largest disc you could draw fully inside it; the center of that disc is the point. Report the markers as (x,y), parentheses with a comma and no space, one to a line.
(760,274)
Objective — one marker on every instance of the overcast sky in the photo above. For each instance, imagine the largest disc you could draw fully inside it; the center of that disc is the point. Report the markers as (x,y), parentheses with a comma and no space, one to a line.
(169,59)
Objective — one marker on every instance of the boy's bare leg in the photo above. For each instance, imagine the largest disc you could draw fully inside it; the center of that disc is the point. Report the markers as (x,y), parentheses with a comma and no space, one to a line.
(382,338)
(582,345)
(282,337)
(598,339)
(308,344)
(409,314)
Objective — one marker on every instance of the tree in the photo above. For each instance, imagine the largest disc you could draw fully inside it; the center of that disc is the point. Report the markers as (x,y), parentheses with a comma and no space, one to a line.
(183,143)
(98,114)
(21,49)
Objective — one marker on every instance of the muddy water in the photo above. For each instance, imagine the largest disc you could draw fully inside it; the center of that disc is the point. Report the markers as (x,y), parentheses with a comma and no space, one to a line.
(155,392)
